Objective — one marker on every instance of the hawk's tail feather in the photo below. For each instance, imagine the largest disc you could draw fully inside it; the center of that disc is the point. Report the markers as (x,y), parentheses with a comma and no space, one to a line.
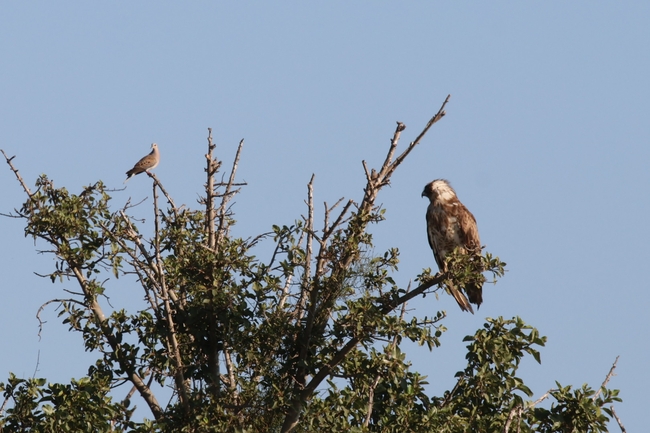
(475,294)
(461,299)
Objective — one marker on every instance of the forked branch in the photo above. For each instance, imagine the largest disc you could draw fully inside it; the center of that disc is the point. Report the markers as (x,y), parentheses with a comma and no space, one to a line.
(338,265)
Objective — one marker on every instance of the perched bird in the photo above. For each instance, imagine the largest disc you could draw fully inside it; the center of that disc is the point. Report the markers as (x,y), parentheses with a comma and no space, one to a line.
(145,164)
(450,225)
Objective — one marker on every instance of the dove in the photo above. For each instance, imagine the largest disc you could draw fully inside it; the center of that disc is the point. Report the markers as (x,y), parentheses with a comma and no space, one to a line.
(145,164)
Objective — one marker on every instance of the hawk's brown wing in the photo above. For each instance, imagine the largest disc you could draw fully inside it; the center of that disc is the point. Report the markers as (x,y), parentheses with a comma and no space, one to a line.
(472,243)
(468,230)
(434,235)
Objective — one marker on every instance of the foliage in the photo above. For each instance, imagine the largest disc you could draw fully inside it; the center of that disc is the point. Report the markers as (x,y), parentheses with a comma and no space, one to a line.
(311,340)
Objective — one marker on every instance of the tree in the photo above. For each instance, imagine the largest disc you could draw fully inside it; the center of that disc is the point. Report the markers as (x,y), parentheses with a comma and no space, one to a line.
(309,340)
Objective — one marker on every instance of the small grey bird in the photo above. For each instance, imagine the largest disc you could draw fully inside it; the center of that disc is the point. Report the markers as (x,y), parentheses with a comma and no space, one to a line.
(145,164)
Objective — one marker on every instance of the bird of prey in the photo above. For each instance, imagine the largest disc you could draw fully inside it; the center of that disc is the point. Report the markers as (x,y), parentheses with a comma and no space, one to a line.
(145,164)
(450,225)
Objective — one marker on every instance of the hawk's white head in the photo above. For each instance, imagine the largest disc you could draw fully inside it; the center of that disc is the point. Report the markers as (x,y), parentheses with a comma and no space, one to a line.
(439,189)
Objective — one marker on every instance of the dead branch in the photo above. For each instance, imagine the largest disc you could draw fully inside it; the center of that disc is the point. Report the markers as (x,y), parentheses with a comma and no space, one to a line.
(607,378)
(376,180)
(228,194)
(400,127)
(15,170)
(309,229)
(167,196)
(541,399)
(211,169)
(339,220)
(618,420)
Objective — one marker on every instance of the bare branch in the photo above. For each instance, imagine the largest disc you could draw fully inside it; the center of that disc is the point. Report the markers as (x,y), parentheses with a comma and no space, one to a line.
(15,170)
(228,194)
(541,399)
(618,420)
(38,362)
(167,196)
(393,143)
(516,411)
(287,284)
(607,378)
(211,169)
(392,304)
(439,115)
(309,229)
(328,231)
(376,180)
(365,169)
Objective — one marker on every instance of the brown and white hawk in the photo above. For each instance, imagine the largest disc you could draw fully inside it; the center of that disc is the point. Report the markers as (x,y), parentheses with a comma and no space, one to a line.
(450,225)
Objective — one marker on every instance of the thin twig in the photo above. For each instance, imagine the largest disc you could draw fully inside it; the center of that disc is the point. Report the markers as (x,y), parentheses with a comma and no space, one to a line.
(287,284)
(393,142)
(228,194)
(365,169)
(439,115)
(618,420)
(167,196)
(328,231)
(305,287)
(15,170)
(541,399)
(38,362)
(42,307)
(607,378)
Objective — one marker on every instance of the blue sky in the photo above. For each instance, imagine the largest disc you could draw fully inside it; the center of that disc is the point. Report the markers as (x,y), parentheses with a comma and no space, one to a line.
(546,141)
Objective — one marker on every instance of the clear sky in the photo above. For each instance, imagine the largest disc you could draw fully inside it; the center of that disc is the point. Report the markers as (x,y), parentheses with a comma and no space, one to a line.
(546,141)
